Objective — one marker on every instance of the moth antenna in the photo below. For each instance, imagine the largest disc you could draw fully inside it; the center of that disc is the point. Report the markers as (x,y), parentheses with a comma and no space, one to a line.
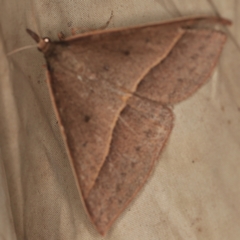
(31,33)
(21,49)
(34,36)
(42,43)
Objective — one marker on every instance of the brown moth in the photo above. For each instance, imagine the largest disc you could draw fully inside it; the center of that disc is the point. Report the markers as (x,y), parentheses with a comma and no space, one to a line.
(111,90)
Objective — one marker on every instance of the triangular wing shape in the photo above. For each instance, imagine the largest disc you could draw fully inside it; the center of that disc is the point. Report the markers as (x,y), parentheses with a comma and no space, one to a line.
(91,78)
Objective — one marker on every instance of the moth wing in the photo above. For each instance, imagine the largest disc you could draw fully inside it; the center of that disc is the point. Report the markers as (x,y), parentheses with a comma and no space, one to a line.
(138,138)
(91,79)
(144,126)
(187,67)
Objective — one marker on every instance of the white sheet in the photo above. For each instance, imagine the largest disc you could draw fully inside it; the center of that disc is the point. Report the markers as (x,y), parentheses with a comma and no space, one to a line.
(194,190)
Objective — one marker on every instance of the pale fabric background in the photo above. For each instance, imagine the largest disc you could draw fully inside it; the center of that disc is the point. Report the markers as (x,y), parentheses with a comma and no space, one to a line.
(194,192)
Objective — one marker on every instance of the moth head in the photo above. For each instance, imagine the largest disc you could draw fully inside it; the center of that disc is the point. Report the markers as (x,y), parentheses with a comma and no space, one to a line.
(43,43)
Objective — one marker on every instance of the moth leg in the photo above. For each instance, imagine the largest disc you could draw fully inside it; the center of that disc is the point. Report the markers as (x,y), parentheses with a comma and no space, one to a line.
(61,36)
(107,23)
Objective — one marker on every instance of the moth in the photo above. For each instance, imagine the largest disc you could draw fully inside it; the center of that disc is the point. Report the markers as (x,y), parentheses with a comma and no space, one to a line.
(112,91)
